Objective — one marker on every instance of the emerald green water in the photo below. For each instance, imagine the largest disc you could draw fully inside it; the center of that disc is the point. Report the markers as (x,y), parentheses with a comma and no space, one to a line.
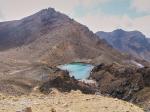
(78,70)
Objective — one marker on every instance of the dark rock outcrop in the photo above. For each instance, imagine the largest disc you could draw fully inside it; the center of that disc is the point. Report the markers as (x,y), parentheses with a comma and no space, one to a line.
(64,83)
(146,75)
(118,81)
(123,82)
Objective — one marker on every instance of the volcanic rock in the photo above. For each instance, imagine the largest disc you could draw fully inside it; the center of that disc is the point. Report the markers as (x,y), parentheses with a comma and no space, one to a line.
(63,82)
(118,81)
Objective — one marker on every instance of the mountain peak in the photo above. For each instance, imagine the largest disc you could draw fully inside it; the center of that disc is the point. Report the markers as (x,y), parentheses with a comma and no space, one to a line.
(48,11)
(119,30)
(48,15)
(135,32)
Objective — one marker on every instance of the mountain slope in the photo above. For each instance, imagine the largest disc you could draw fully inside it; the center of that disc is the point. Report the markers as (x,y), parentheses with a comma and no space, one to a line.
(30,46)
(51,37)
(149,40)
(133,42)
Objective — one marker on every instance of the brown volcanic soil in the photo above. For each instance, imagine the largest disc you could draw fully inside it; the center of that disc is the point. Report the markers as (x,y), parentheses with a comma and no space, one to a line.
(65,102)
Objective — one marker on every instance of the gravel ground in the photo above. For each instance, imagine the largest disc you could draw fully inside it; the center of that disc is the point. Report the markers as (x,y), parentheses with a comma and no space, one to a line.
(65,102)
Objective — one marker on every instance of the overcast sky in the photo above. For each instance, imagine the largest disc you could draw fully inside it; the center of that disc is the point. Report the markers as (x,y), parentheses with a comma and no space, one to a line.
(98,15)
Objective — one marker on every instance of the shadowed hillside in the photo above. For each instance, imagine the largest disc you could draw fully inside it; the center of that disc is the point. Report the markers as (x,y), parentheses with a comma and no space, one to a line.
(132,42)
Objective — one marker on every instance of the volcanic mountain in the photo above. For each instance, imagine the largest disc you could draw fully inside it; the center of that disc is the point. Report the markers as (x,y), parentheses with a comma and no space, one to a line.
(132,42)
(51,37)
(30,46)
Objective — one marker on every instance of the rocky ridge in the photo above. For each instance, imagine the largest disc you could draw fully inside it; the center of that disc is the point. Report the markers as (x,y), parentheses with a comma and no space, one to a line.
(132,42)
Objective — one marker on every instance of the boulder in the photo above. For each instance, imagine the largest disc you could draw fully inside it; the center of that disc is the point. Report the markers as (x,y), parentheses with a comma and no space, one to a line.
(27,109)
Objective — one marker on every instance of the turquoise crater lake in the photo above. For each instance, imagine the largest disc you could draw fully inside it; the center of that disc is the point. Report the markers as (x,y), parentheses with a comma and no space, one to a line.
(78,70)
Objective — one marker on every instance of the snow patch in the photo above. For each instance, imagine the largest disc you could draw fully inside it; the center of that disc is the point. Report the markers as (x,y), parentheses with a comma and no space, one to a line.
(137,64)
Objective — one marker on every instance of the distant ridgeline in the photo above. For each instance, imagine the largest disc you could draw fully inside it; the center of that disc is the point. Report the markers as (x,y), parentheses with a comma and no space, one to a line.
(132,42)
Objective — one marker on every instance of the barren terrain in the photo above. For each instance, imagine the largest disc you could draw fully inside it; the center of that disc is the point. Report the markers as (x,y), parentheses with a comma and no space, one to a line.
(65,102)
